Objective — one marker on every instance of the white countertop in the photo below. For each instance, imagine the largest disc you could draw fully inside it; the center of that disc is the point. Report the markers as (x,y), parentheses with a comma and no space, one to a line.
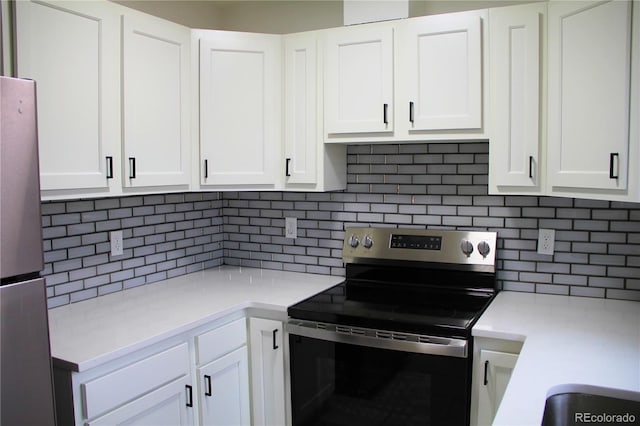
(86,334)
(566,340)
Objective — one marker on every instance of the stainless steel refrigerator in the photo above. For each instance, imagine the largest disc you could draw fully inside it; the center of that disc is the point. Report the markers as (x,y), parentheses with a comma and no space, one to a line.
(26,385)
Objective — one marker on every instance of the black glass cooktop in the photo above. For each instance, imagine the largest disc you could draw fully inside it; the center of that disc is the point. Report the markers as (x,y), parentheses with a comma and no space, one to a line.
(435,301)
(447,315)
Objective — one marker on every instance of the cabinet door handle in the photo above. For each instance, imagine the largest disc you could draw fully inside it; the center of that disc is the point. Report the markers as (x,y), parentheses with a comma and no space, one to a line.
(612,160)
(109,167)
(411,112)
(132,167)
(206,169)
(486,368)
(384,113)
(275,345)
(207,385)
(286,171)
(189,391)
(531,166)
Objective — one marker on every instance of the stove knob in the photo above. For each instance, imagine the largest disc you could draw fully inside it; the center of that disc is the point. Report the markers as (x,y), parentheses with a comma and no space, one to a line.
(467,247)
(367,242)
(483,248)
(353,241)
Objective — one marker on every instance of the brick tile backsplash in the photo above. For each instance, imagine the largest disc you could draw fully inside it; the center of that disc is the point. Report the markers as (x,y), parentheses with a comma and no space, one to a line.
(437,186)
(444,186)
(164,236)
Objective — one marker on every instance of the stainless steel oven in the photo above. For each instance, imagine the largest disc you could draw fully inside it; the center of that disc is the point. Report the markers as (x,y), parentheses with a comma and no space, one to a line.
(391,345)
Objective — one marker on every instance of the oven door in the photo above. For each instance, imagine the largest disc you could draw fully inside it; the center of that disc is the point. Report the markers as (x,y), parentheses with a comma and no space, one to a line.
(341,377)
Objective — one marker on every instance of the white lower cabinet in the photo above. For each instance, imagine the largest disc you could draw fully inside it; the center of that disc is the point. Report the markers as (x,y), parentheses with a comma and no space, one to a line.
(493,363)
(223,375)
(156,385)
(165,406)
(267,371)
(224,390)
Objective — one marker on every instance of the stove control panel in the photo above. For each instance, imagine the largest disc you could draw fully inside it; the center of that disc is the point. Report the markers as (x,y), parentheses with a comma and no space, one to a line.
(416,242)
(420,245)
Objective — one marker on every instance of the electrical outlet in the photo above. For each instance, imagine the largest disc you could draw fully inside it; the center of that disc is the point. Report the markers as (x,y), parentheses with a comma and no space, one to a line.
(546,241)
(116,243)
(291,227)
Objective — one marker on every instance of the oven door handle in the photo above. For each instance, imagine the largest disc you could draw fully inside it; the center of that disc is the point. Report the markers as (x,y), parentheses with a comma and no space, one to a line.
(396,341)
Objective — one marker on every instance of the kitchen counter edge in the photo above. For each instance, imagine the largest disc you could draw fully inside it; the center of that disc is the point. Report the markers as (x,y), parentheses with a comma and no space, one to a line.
(87,334)
(566,339)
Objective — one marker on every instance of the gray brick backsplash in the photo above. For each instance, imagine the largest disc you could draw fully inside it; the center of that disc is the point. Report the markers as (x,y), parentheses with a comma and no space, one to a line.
(76,240)
(438,186)
(595,251)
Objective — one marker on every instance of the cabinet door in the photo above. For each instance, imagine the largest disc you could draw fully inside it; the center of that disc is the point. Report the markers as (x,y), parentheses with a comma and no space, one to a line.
(443,69)
(224,390)
(239,108)
(497,372)
(589,79)
(359,79)
(515,80)
(71,49)
(301,108)
(172,404)
(267,371)
(155,73)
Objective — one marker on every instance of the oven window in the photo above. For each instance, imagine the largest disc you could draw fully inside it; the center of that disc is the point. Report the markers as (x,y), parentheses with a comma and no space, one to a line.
(342,384)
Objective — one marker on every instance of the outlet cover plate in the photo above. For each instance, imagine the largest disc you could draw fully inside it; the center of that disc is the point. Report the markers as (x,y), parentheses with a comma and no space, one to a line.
(115,238)
(291,227)
(546,241)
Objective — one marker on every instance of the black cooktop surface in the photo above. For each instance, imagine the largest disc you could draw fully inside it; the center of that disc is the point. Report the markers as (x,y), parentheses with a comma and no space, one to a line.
(446,315)
(444,301)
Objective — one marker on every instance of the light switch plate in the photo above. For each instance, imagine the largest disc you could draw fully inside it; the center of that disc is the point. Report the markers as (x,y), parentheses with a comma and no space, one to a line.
(546,241)
(291,227)
(116,243)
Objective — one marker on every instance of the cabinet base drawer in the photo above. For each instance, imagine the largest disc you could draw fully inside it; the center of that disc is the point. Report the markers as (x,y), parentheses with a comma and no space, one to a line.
(123,385)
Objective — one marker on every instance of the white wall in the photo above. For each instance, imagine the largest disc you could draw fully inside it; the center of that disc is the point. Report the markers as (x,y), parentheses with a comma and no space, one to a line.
(283,16)
(190,13)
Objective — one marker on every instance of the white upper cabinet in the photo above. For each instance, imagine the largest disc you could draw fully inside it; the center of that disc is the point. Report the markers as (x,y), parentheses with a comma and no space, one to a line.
(301,108)
(516,59)
(359,79)
(443,70)
(155,79)
(240,108)
(409,80)
(113,97)
(589,93)
(309,164)
(71,50)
